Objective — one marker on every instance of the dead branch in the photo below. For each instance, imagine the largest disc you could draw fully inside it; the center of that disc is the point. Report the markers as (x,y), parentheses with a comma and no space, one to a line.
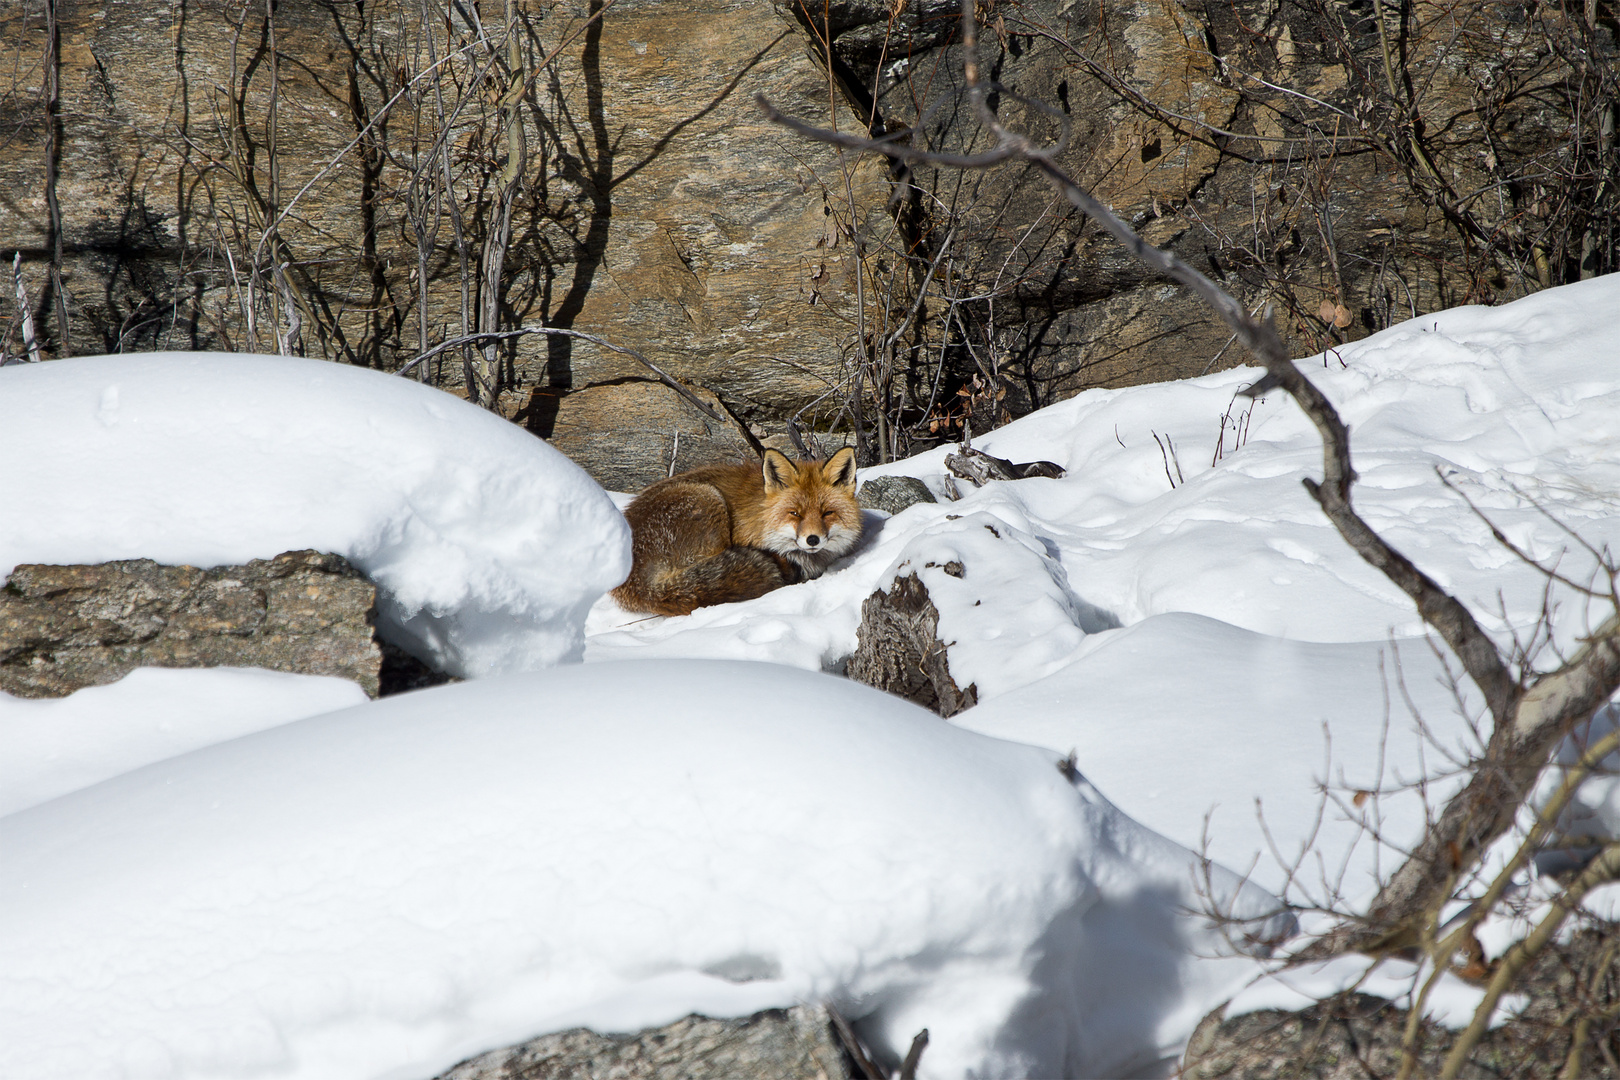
(852,1045)
(53,152)
(908,1067)
(1603,869)
(981,468)
(25,311)
(1526,723)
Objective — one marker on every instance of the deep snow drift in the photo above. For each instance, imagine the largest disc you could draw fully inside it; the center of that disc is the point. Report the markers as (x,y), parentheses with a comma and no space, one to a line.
(387,889)
(487,545)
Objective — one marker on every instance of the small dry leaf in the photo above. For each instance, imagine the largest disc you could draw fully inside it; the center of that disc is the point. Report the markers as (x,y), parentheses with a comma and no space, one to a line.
(1361,797)
(1341,316)
(1326,311)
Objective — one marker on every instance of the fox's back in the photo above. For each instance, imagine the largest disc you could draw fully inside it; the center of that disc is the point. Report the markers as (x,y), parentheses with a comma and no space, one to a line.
(740,486)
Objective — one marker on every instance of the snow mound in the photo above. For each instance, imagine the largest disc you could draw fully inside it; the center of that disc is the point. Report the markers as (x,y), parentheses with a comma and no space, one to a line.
(487,545)
(54,746)
(1006,612)
(385,890)
(1252,747)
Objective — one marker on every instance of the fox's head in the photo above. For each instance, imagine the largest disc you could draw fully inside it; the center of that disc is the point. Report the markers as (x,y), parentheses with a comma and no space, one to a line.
(810,508)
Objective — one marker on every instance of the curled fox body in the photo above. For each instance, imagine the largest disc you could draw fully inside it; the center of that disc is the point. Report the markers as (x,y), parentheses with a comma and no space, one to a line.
(724,533)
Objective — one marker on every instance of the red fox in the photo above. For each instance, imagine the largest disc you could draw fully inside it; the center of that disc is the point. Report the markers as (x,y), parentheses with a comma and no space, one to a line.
(723,533)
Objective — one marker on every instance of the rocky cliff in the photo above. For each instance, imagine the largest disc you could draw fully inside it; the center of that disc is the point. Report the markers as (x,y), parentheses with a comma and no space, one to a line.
(368,182)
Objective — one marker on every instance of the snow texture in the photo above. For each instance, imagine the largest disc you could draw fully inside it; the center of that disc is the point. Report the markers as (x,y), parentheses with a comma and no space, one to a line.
(487,545)
(54,746)
(384,890)
(1223,577)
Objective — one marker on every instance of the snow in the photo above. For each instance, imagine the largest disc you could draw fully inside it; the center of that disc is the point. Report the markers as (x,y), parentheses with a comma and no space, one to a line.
(1173,716)
(1249,744)
(52,747)
(387,889)
(487,545)
(698,817)
(1451,1001)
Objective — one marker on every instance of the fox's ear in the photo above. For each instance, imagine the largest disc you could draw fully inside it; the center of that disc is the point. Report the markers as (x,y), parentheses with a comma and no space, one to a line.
(839,472)
(780,472)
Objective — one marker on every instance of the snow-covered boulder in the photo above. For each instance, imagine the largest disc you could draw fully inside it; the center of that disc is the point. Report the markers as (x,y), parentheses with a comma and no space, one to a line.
(386,890)
(488,546)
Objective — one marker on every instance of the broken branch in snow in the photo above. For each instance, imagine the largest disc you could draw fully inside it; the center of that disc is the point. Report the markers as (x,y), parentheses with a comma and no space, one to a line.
(981,468)
(852,1046)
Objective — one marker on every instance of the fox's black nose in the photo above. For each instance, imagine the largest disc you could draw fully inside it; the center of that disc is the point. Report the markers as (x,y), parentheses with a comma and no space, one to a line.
(812,540)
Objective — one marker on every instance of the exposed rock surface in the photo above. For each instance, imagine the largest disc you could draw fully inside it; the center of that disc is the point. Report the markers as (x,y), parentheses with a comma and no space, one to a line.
(790,1044)
(659,208)
(898,648)
(653,204)
(63,628)
(892,494)
(628,435)
(1224,132)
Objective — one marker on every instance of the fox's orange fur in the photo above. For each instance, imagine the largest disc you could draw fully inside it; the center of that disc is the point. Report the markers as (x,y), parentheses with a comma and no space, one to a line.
(733,532)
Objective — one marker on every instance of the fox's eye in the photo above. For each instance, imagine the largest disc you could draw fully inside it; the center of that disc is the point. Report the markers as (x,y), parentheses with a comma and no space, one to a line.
(828,514)
(795,515)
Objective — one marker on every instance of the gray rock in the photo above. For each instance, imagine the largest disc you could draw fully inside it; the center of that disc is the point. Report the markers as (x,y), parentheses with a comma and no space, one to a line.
(790,1044)
(898,648)
(892,494)
(63,628)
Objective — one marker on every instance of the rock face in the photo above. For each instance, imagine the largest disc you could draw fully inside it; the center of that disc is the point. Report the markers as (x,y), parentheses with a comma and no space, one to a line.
(63,628)
(307,177)
(791,1044)
(628,435)
(898,648)
(1269,144)
(657,207)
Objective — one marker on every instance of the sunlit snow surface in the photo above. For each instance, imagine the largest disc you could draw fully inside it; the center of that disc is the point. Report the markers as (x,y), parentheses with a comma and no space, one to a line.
(487,544)
(398,885)
(51,747)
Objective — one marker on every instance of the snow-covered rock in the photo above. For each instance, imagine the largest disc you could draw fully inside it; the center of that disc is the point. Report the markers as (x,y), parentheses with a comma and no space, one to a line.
(487,545)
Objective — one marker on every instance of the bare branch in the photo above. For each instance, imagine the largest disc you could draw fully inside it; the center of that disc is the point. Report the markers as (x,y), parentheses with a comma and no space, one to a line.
(1448,617)
(1601,870)
(1526,724)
